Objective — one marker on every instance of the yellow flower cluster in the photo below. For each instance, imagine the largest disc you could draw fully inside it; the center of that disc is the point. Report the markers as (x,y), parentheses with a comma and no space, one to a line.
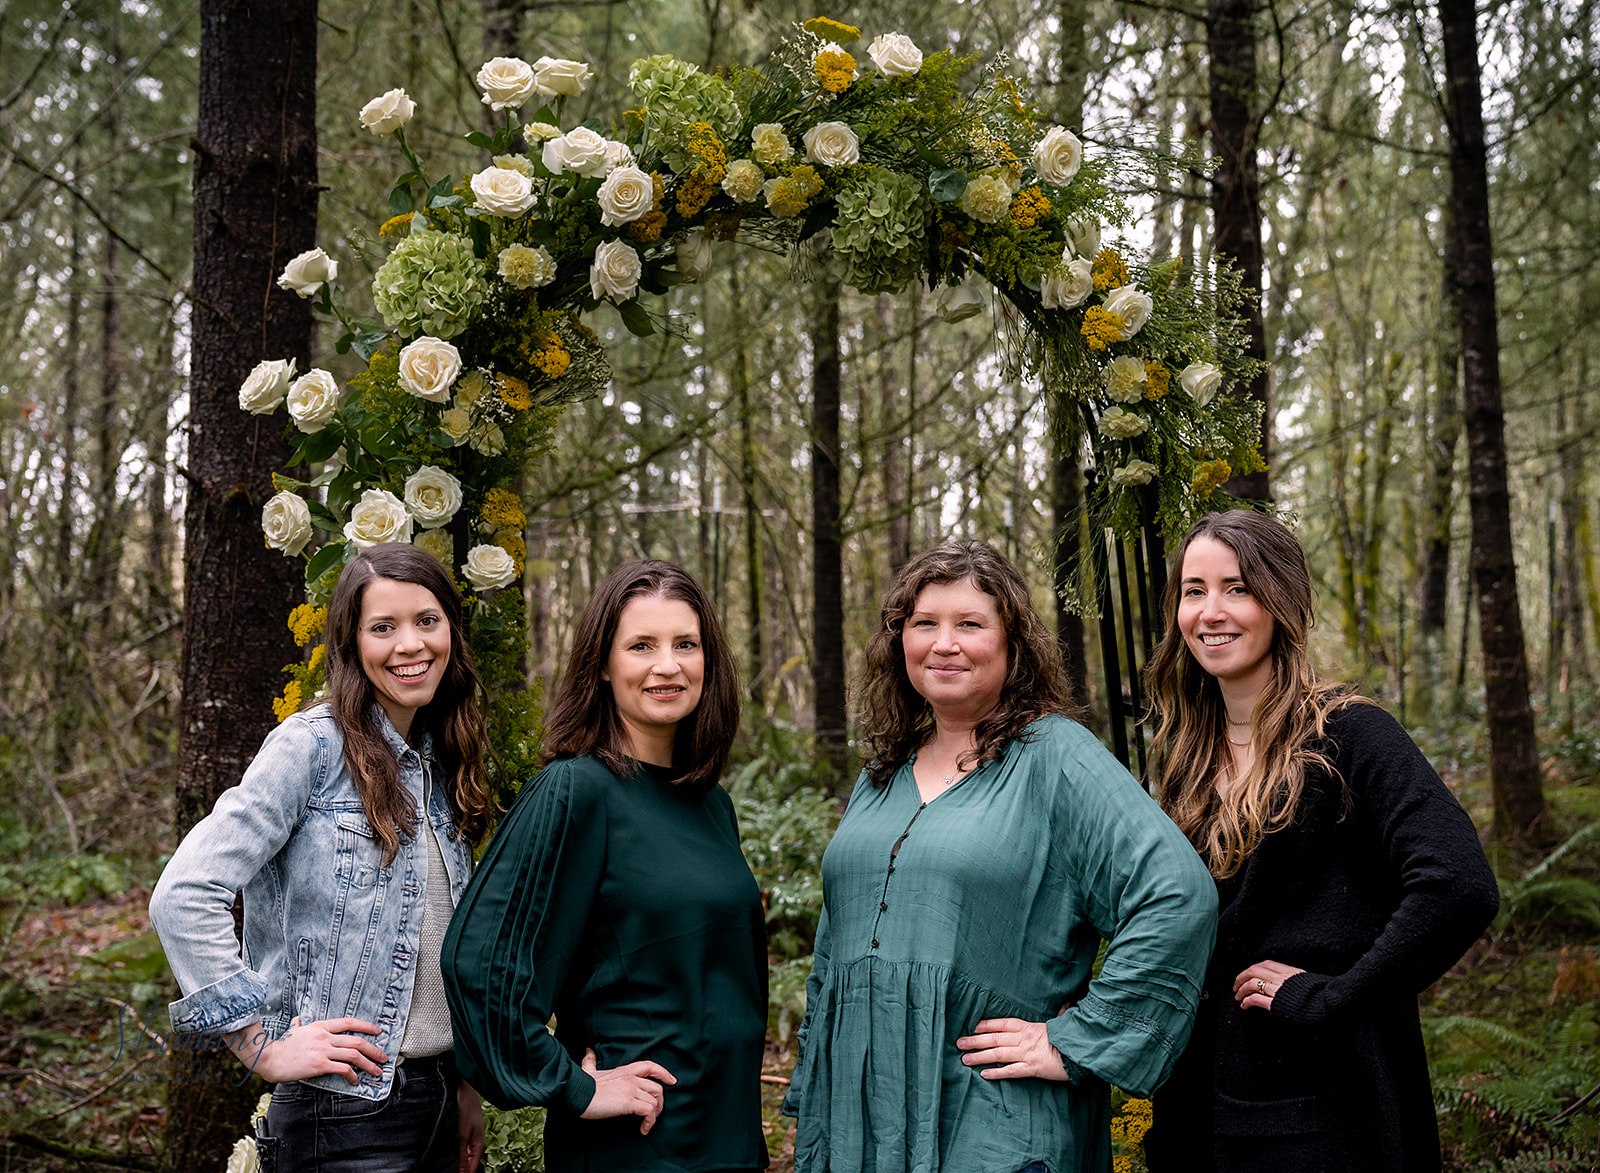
(647,229)
(791,194)
(1101,327)
(1157,379)
(510,540)
(1030,206)
(832,30)
(695,194)
(1110,271)
(396,225)
(1209,477)
(502,510)
(285,706)
(552,360)
(306,623)
(1128,1128)
(710,156)
(318,654)
(514,391)
(835,70)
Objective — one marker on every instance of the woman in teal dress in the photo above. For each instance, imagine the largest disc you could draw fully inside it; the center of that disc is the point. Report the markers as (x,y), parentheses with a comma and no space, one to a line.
(990,845)
(616,898)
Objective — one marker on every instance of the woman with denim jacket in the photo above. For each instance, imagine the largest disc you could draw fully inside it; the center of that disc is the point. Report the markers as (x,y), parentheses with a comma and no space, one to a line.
(350,836)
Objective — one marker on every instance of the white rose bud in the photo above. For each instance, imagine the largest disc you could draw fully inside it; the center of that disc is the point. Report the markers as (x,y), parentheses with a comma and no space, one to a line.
(314,399)
(387,113)
(379,516)
(286,521)
(502,192)
(265,386)
(1083,239)
(308,272)
(626,194)
(1202,381)
(488,567)
(1058,156)
(505,82)
(618,155)
(428,368)
(581,151)
(1132,306)
(895,55)
(615,272)
(694,255)
(1125,379)
(957,303)
(432,496)
(556,77)
(1067,286)
(833,144)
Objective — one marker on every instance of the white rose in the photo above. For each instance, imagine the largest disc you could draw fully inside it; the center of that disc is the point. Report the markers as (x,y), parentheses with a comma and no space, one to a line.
(694,256)
(957,303)
(1135,472)
(615,272)
(502,192)
(379,516)
(308,272)
(1125,379)
(895,55)
(505,82)
(428,367)
(986,198)
(1058,156)
(580,150)
(618,155)
(314,399)
(1132,306)
(266,385)
(743,181)
(1083,239)
(387,113)
(436,542)
(768,144)
(488,567)
(286,521)
(626,194)
(245,1157)
(1121,424)
(1067,286)
(833,144)
(432,496)
(556,77)
(1202,381)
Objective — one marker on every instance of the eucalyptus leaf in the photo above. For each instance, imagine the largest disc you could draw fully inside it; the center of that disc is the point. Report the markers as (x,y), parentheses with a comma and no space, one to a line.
(946,185)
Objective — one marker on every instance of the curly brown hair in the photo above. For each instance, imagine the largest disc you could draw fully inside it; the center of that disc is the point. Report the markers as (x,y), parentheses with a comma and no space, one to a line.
(896,718)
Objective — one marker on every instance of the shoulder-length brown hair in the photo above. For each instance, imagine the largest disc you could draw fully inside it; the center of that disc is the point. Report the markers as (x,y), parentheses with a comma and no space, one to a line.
(896,718)
(1189,751)
(584,718)
(454,717)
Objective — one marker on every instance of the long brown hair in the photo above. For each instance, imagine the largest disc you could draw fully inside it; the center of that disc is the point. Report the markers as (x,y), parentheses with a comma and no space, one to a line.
(1189,751)
(454,717)
(896,718)
(584,718)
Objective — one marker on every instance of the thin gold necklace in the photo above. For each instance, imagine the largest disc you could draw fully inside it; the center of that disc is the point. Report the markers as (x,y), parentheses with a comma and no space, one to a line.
(1241,744)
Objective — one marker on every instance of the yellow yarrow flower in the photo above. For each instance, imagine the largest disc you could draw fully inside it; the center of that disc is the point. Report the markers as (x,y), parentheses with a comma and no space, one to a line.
(394,225)
(1209,477)
(306,623)
(1030,206)
(552,360)
(1101,327)
(502,510)
(514,392)
(318,654)
(1157,382)
(835,70)
(647,229)
(791,194)
(832,30)
(1110,271)
(711,157)
(285,706)
(695,194)
(510,540)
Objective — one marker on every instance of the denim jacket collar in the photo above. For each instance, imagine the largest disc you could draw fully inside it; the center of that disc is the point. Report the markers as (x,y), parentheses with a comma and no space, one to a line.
(423,748)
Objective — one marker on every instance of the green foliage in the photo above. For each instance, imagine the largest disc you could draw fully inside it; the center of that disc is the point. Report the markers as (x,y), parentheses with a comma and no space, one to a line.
(63,879)
(514,1140)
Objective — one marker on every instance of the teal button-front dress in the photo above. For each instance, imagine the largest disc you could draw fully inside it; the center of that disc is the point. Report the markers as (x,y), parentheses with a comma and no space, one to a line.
(990,901)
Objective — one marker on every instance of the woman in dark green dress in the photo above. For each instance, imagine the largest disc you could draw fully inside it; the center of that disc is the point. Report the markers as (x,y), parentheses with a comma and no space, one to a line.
(615,898)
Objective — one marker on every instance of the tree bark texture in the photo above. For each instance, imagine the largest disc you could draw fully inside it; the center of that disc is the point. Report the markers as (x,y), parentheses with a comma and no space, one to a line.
(1519,805)
(255,207)
(1236,194)
(827,554)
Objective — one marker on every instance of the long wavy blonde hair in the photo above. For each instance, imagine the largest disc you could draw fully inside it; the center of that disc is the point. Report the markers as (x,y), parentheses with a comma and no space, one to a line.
(1189,752)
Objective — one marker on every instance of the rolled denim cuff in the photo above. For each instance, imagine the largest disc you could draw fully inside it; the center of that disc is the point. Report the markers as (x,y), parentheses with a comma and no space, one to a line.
(227,1005)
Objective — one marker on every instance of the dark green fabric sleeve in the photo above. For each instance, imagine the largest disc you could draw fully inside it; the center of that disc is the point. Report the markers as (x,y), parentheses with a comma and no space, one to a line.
(513,939)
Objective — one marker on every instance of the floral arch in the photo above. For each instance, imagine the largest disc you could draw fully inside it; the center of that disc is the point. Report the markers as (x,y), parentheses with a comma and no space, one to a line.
(914,171)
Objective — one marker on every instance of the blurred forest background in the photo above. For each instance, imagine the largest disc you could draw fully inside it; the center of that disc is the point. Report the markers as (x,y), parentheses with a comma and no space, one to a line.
(791,444)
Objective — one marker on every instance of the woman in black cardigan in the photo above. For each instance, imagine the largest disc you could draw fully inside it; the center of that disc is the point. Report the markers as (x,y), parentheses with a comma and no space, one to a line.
(1349,879)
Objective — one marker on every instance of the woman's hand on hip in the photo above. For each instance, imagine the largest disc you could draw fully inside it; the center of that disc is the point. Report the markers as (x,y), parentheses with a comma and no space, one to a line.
(634,1089)
(1021,1048)
(1255,988)
(331,1046)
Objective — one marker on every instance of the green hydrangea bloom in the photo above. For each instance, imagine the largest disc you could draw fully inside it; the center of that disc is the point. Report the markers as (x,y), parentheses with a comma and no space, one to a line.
(676,91)
(431,284)
(879,232)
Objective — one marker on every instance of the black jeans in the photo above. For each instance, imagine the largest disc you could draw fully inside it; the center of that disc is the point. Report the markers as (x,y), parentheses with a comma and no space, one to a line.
(413,1130)
(1035,1167)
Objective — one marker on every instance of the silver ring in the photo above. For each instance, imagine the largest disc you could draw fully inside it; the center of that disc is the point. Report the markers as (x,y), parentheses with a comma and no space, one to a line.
(1261,986)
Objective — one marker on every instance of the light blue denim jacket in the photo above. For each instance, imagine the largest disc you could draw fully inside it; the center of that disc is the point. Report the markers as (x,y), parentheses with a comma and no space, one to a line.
(328,931)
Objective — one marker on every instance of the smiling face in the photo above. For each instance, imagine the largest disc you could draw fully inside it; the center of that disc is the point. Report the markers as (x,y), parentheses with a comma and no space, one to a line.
(656,670)
(1225,629)
(955,650)
(404,644)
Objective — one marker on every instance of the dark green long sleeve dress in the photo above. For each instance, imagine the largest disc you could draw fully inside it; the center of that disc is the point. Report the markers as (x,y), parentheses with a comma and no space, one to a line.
(624,907)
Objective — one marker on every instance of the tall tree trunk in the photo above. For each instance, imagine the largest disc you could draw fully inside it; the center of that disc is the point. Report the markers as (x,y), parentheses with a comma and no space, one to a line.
(1439,487)
(1236,193)
(755,572)
(255,206)
(827,555)
(891,414)
(1519,805)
